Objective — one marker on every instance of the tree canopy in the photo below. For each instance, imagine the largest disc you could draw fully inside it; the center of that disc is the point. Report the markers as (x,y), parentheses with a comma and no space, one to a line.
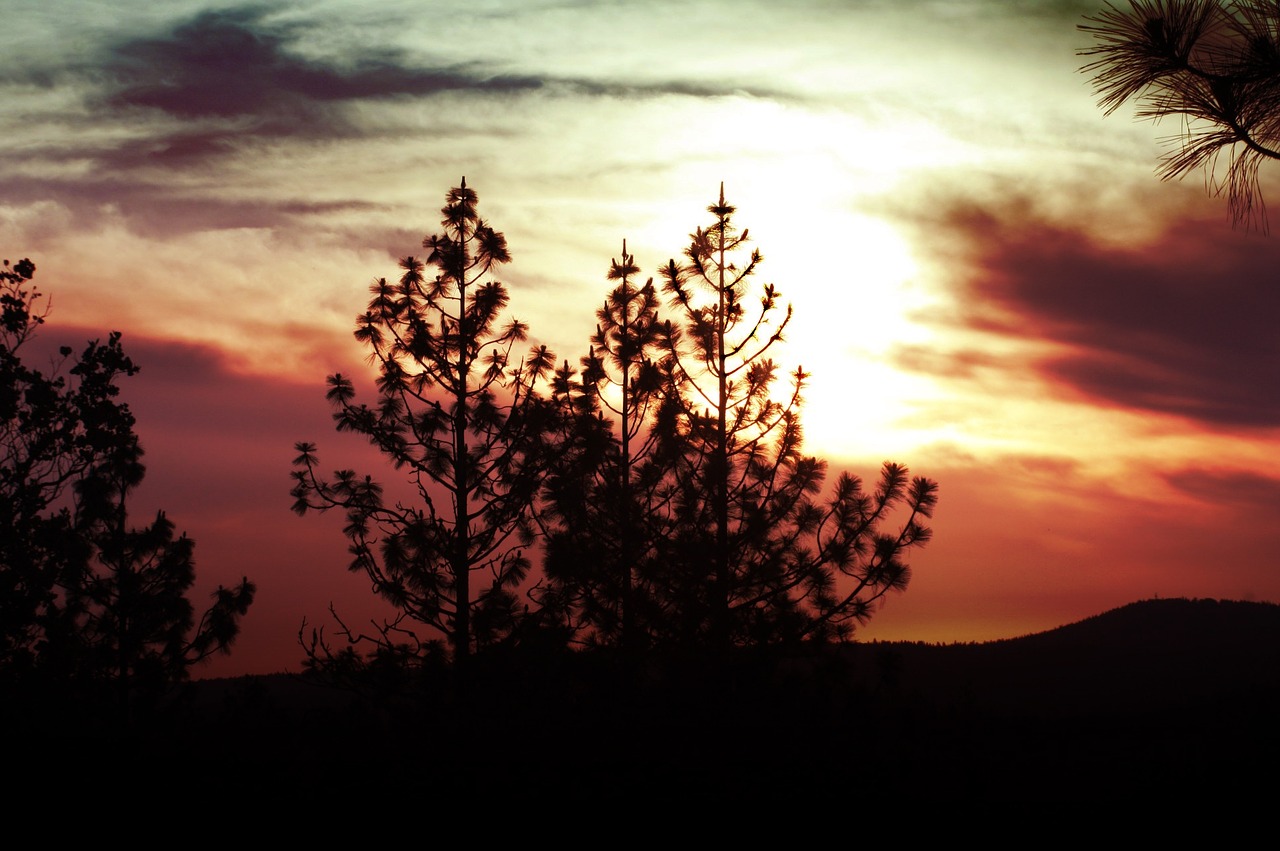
(87,601)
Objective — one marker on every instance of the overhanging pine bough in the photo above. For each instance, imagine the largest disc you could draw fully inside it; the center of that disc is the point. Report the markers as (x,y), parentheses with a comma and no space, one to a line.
(1213,65)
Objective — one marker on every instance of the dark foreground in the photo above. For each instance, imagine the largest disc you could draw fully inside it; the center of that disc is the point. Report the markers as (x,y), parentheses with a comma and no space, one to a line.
(1170,700)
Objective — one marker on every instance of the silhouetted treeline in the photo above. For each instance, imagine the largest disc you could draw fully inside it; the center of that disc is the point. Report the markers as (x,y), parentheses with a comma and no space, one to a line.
(94,618)
(662,484)
(1162,703)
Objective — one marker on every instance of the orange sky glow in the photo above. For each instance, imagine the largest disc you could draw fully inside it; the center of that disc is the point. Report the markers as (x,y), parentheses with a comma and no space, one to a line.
(990,284)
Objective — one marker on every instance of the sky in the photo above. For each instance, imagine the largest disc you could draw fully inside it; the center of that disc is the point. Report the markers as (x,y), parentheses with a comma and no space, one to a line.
(990,284)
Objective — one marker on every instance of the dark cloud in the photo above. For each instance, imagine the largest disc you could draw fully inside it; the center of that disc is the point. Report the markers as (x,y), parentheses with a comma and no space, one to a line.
(232,74)
(1240,488)
(213,88)
(965,364)
(683,88)
(1183,325)
(221,85)
(174,150)
(161,211)
(233,65)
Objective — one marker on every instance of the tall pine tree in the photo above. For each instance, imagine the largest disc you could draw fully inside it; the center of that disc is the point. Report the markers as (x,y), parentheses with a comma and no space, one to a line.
(760,556)
(464,422)
(605,504)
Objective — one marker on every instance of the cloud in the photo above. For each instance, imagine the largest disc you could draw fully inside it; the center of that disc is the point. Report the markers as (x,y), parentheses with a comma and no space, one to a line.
(1180,324)
(233,75)
(627,90)
(964,364)
(234,65)
(163,128)
(162,211)
(1238,488)
(226,119)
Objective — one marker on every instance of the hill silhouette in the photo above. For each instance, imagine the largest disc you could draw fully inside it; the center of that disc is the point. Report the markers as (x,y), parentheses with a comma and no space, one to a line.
(1160,698)
(1153,655)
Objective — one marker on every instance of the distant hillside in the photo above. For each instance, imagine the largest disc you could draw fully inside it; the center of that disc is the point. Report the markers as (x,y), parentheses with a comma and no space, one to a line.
(1169,625)
(1152,655)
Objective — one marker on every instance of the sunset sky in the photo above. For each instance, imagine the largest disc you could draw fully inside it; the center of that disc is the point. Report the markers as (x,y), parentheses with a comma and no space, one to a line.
(990,283)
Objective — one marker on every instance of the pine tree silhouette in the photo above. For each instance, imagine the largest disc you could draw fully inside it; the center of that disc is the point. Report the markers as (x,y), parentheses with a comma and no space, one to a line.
(758,557)
(466,425)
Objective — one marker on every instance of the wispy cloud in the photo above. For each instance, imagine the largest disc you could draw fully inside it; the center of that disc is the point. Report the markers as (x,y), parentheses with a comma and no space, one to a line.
(233,63)
(1229,487)
(1180,324)
(235,75)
